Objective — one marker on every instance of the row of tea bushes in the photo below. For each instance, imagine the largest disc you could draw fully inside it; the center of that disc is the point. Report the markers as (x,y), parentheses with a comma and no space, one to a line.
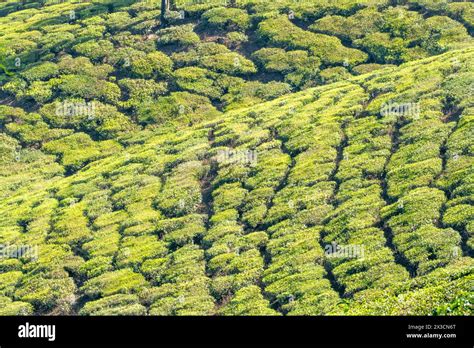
(153,227)
(419,159)
(150,248)
(354,224)
(296,258)
(180,285)
(457,179)
(445,291)
(395,34)
(239,196)
(280,31)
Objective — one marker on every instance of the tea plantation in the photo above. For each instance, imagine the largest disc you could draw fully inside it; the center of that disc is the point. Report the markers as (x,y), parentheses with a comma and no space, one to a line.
(263,158)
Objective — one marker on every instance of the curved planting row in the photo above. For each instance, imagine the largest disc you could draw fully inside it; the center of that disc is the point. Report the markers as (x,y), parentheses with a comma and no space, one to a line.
(350,198)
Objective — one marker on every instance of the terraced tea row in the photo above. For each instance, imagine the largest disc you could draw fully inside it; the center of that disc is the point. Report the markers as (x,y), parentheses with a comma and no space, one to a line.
(248,213)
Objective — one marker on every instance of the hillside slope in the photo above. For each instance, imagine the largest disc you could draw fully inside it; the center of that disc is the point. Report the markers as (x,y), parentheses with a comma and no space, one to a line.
(234,215)
(205,57)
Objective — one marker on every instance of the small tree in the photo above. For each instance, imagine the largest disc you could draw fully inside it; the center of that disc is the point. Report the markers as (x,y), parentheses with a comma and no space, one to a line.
(164,8)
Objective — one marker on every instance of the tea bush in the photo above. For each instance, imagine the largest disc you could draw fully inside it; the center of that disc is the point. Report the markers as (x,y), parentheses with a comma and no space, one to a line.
(227,18)
(264,159)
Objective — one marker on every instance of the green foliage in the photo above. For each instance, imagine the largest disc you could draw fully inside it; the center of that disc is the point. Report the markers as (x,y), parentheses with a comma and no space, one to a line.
(114,305)
(361,23)
(248,301)
(179,106)
(184,289)
(199,81)
(280,31)
(462,305)
(88,88)
(367,68)
(195,54)
(122,281)
(243,94)
(182,35)
(235,38)
(70,226)
(82,65)
(135,250)
(297,66)
(138,91)
(155,64)
(42,71)
(229,63)
(227,18)
(103,121)
(143,198)
(335,74)
(78,149)
(47,293)
(94,50)
(9,307)
(383,48)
